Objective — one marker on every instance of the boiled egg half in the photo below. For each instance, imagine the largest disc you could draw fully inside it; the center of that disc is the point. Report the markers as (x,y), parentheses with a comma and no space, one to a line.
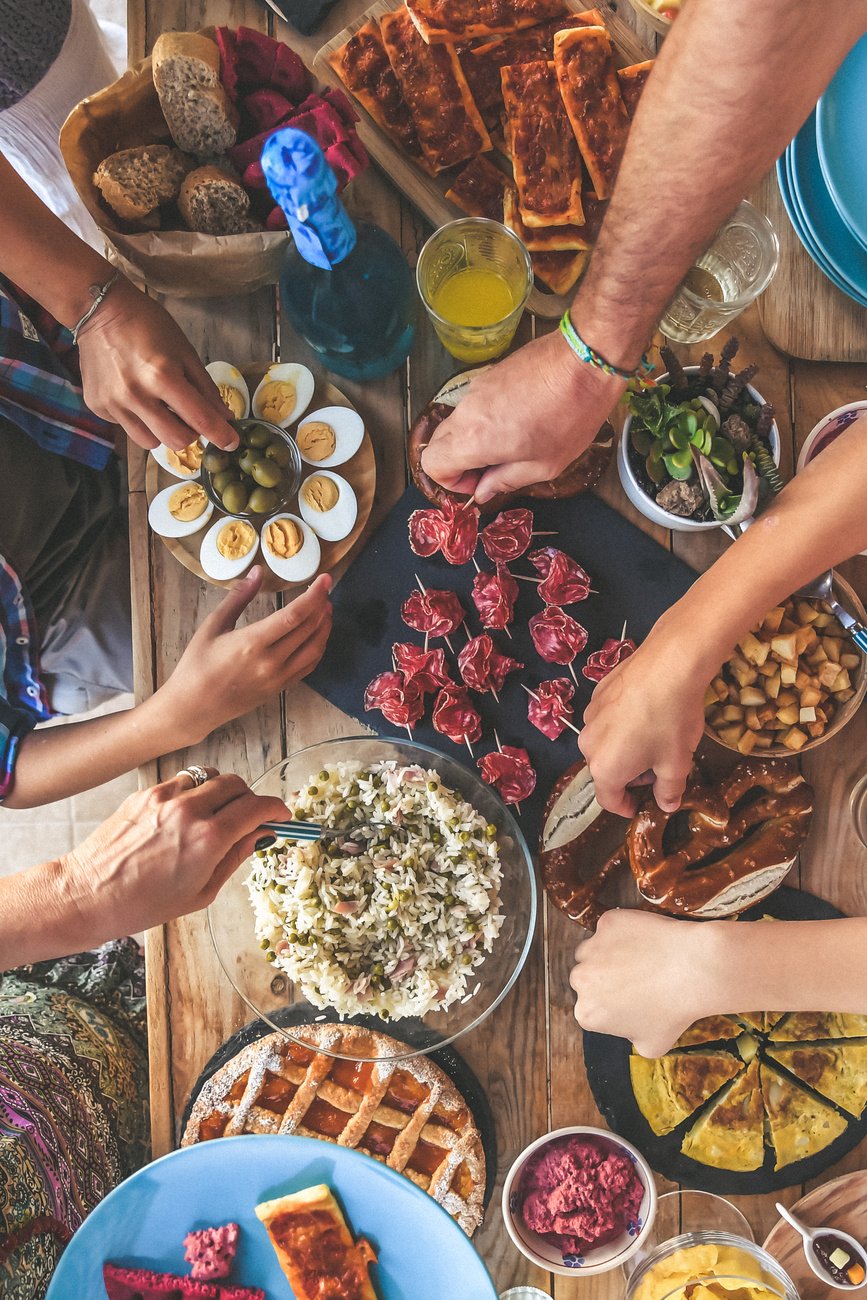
(291,548)
(233,388)
(328,504)
(228,548)
(329,436)
(186,463)
(180,510)
(284,394)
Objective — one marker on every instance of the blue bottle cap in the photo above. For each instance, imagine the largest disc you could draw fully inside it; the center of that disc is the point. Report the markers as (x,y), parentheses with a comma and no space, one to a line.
(304,185)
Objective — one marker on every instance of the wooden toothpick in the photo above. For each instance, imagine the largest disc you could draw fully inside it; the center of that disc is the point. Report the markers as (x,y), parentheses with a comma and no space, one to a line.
(571,668)
(623,632)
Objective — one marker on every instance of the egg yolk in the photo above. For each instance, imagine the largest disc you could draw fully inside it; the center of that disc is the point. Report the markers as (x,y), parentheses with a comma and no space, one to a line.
(316,440)
(321,493)
(235,540)
(188,459)
(284,538)
(188,502)
(233,398)
(276,400)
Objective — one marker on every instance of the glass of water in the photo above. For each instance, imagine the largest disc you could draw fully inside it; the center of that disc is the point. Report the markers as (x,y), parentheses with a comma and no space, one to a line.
(737,267)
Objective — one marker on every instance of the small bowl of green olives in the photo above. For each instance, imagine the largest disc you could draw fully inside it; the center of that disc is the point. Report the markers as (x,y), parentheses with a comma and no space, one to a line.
(259,477)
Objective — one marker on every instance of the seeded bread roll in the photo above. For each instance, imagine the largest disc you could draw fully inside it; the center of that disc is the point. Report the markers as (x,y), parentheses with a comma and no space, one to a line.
(200,116)
(134,182)
(213,202)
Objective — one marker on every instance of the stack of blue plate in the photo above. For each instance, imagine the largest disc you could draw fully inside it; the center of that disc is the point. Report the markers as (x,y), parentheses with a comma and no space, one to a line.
(823,179)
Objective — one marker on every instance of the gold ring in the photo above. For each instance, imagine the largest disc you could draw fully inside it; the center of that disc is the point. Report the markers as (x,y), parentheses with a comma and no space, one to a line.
(197,774)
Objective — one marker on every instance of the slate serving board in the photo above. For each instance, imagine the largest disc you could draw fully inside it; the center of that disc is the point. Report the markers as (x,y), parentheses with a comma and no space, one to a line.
(635,580)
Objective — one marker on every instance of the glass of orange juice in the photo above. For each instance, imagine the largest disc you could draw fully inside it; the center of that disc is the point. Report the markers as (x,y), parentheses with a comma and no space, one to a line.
(474,277)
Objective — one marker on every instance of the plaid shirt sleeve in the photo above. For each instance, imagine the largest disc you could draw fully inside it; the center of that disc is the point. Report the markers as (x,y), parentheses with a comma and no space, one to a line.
(23,702)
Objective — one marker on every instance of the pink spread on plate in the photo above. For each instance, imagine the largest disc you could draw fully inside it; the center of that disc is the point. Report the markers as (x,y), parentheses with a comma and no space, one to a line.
(579,1192)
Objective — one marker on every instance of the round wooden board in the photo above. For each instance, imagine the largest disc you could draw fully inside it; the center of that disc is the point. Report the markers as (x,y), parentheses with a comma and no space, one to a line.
(360,472)
(842,1204)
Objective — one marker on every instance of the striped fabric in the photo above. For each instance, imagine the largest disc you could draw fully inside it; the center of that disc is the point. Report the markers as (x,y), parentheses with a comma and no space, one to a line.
(40,391)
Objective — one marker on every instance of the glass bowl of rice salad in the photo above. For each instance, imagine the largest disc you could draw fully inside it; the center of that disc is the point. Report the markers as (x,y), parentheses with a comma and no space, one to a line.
(413,914)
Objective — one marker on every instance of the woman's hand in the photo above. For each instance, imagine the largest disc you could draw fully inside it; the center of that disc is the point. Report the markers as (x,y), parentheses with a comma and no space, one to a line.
(227,671)
(522,422)
(140,371)
(166,852)
(644,721)
(646,978)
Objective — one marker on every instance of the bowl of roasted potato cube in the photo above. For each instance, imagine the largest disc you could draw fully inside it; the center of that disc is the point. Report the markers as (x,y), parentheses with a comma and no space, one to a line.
(791,683)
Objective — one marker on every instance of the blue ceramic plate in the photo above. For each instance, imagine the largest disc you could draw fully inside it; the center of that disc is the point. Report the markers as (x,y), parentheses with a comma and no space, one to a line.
(785,185)
(841,120)
(798,220)
(423,1254)
(819,215)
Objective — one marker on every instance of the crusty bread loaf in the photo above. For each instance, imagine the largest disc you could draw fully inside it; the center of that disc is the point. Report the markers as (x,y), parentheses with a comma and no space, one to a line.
(213,202)
(200,116)
(134,182)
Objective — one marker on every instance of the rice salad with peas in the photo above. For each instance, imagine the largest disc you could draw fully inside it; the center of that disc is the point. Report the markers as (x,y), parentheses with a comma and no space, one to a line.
(393,909)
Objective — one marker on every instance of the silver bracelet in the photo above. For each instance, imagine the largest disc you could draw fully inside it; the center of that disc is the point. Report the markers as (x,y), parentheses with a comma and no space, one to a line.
(100,292)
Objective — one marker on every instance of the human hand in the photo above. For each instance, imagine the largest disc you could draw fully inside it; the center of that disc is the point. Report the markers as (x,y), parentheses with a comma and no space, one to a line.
(140,371)
(645,978)
(165,852)
(644,722)
(227,671)
(522,422)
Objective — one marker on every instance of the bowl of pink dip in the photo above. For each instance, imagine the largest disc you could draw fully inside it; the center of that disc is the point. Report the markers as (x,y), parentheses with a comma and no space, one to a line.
(579,1201)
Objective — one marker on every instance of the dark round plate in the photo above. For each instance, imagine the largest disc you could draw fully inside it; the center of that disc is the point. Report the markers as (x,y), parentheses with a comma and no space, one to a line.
(606,1060)
(413,1032)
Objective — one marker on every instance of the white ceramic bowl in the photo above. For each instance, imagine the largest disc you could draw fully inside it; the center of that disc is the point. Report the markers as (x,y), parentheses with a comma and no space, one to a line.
(601,1259)
(649,14)
(645,504)
(828,428)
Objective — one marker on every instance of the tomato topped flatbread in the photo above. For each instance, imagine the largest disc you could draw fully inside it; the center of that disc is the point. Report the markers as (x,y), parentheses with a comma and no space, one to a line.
(544,150)
(449,126)
(482,63)
(480,190)
(591,92)
(632,82)
(463,20)
(363,67)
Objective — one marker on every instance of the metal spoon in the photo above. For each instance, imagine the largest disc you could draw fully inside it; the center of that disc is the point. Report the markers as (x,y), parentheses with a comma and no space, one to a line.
(809,1235)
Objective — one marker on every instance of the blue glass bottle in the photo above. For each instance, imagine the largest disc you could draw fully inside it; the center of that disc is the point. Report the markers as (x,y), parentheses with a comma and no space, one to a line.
(346,286)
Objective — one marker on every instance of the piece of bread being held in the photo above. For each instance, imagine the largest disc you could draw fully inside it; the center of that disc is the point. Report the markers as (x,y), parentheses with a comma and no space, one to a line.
(135,182)
(199,114)
(213,202)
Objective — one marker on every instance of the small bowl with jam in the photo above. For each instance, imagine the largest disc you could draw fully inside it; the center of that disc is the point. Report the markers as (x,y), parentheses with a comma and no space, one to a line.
(260,477)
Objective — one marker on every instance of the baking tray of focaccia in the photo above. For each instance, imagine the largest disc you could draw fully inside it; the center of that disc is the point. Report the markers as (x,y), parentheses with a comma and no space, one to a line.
(418,161)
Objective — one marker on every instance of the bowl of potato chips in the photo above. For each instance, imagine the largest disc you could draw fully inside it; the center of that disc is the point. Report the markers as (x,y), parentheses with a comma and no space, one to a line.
(709,1266)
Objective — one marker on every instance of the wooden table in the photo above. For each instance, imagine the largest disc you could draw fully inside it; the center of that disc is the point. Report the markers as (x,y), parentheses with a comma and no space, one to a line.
(528,1054)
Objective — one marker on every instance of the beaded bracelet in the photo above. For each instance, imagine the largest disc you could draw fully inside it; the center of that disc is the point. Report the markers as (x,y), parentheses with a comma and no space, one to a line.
(585,353)
(99,293)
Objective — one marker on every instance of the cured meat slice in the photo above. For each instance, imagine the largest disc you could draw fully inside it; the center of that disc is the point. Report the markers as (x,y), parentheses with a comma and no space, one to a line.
(427,668)
(398,700)
(601,662)
(494,596)
(482,665)
(564,581)
(438,613)
(550,706)
(508,535)
(452,528)
(556,636)
(455,716)
(427,532)
(510,772)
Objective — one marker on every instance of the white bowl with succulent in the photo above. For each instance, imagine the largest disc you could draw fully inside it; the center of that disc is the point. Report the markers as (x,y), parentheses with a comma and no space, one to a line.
(700,448)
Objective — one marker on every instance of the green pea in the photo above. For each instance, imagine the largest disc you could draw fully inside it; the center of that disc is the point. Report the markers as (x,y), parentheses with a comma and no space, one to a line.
(266,474)
(432,785)
(214,460)
(323,775)
(270,956)
(490,831)
(235,499)
(266,943)
(262,500)
(313,790)
(280,453)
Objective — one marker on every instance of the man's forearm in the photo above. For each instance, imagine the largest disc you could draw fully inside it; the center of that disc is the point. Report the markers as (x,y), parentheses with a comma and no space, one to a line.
(733,83)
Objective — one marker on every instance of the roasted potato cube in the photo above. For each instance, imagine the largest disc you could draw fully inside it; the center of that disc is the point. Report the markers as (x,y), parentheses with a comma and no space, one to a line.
(806,612)
(789,714)
(785,647)
(752,696)
(763,740)
(787,697)
(850,661)
(832,648)
(810,697)
(721,687)
(806,715)
(816,729)
(829,672)
(795,739)
(755,651)
(788,674)
(747,742)
(842,696)
(804,638)
(731,735)
(751,718)
(823,619)
(842,683)
(772,620)
(732,713)
(744,674)
(710,698)
(768,668)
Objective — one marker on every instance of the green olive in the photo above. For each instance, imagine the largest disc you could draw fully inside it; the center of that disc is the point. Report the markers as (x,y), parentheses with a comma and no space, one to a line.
(235,499)
(215,460)
(266,474)
(262,500)
(224,478)
(258,436)
(249,457)
(280,453)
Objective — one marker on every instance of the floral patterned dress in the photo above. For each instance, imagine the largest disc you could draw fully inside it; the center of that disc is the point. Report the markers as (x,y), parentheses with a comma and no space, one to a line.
(73,1117)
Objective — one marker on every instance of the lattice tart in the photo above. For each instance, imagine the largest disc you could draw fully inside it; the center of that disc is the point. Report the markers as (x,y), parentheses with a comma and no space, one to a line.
(406,1113)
